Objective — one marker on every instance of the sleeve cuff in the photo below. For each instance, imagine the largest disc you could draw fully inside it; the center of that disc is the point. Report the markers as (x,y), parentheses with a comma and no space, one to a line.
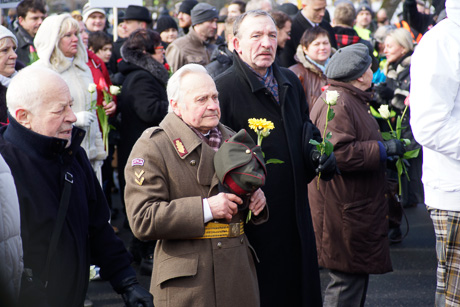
(207,211)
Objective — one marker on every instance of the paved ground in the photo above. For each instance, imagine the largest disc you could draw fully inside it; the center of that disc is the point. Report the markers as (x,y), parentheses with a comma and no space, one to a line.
(412,282)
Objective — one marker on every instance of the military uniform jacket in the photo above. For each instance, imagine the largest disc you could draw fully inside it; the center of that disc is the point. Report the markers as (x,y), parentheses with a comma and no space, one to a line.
(168,174)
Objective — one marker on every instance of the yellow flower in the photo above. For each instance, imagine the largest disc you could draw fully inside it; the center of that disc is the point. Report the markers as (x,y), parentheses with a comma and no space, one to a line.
(261,124)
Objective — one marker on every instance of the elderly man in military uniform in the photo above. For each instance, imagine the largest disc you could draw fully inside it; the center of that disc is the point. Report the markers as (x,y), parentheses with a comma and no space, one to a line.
(203,257)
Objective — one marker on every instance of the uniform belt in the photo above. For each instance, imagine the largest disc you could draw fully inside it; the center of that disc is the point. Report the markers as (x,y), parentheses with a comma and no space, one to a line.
(218,230)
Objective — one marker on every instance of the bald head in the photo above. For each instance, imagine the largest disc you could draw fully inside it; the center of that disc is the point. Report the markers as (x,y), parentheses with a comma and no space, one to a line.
(39,99)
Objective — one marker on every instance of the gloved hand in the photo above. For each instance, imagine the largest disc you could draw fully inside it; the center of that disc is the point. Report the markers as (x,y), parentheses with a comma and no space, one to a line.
(84,118)
(326,165)
(394,147)
(383,94)
(133,294)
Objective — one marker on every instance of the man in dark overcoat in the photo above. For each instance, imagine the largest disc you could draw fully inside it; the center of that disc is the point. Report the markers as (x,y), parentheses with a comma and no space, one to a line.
(255,87)
(42,148)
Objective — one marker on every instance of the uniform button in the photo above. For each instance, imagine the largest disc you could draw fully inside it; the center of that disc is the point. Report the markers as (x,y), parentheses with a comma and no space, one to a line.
(80,134)
(70,152)
(378,130)
(369,111)
(248,151)
(367,103)
(219,244)
(193,163)
(241,240)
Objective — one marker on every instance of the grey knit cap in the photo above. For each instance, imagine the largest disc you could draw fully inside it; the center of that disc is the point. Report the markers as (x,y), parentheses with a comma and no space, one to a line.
(349,63)
(203,12)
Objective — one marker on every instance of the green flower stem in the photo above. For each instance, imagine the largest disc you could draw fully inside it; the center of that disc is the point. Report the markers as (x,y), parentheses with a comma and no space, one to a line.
(323,143)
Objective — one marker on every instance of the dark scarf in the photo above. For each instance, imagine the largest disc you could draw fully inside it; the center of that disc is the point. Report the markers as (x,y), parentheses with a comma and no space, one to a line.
(146,62)
(269,81)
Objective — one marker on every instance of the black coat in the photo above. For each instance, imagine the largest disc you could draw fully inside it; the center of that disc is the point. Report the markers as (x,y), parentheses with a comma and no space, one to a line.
(299,25)
(288,269)
(38,164)
(143,102)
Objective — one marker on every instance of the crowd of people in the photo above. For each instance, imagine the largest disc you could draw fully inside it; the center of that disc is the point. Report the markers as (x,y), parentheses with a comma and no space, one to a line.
(353,105)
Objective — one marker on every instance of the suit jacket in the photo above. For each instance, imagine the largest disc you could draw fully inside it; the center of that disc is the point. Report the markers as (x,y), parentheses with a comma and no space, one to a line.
(299,25)
(169,172)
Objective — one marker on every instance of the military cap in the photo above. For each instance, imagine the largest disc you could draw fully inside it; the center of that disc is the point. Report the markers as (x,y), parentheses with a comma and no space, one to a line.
(240,165)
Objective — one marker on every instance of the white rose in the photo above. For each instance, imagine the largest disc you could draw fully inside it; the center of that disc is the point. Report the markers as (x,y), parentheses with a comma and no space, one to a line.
(331,97)
(384,111)
(114,90)
(91,88)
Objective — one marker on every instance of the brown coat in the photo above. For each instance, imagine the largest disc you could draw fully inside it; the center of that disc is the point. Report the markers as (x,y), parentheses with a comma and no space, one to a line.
(173,171)
(350,212)
(311,77)
(189,49)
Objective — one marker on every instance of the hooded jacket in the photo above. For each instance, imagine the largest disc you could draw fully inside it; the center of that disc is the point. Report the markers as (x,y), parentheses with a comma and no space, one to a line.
(435,109)
(77,75)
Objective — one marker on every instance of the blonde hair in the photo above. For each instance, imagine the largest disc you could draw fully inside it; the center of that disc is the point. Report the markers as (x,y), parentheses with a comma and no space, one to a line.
(403,38)
(4,41)
(58,57)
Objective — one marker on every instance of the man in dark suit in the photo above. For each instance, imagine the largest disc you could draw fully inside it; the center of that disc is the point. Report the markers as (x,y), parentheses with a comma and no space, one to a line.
(310,16)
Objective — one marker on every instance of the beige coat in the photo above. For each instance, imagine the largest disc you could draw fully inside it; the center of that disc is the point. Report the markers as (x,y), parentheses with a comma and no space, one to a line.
(189,49)
(168,174)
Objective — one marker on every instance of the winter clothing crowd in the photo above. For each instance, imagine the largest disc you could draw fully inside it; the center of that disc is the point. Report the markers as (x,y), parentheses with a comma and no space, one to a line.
(362,107)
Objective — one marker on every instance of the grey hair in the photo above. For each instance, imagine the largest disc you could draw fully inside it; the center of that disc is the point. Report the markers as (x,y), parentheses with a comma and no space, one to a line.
(403,38)
(254,13)
(29,87)
(174,89)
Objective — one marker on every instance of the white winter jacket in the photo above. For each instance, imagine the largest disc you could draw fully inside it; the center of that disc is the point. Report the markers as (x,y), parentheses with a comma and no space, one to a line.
(435,109)
(77,76)
(11,262)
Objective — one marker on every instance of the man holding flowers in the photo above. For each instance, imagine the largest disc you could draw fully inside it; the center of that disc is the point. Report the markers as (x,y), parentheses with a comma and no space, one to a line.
(256,87)
(350,211)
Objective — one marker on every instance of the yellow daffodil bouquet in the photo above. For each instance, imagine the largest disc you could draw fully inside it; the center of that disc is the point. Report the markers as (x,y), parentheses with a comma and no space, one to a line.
(326,147)
(401,168)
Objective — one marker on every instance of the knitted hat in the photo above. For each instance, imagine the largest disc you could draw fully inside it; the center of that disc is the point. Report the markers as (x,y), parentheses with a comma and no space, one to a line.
(349,63)
(363,6)
(4,32)
(165,22)
(187,6)
(88,10)
(203,12)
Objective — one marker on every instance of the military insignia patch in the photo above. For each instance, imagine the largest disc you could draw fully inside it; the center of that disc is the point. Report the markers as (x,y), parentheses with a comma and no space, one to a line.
(137,161)
(180,147)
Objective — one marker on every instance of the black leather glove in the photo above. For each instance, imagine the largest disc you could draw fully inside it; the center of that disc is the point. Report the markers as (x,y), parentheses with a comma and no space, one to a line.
(326,165)
(133,294)
(394,147)
(383,94)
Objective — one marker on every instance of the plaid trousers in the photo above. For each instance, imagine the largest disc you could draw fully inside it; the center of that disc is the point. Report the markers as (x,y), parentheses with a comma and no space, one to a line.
(447,229)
